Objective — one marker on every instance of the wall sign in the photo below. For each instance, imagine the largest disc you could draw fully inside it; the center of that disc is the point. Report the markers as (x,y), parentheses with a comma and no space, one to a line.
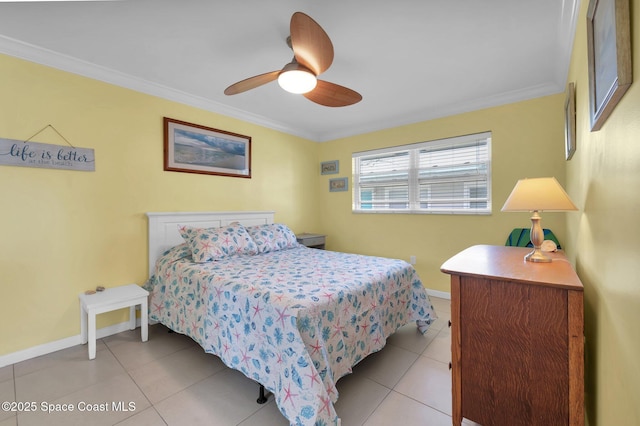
(47,156)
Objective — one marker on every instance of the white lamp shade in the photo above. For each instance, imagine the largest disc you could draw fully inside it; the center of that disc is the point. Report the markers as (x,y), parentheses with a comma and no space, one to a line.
(297,81)
(538,194)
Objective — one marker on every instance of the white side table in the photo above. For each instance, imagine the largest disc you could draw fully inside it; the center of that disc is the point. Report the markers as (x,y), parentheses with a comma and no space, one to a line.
(111,299)
(312,240)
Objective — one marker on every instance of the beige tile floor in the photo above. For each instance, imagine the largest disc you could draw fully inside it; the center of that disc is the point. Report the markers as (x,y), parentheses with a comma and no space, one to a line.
(169,380)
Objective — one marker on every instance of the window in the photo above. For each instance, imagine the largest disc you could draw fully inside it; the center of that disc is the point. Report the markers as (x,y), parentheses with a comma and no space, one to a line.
(447,176)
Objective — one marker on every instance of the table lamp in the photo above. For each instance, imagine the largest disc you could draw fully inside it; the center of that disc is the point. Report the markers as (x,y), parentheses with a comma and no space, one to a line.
(535,195)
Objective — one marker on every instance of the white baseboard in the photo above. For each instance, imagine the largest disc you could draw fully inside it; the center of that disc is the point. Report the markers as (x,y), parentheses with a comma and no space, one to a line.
(440,294)
(57,345)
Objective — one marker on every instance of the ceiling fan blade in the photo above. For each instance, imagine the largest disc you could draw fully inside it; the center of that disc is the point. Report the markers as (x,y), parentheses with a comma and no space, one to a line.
(251,83)
(333,95)
(311,46)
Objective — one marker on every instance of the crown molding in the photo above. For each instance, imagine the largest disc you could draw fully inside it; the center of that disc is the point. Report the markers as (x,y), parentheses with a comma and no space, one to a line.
(447,110)
(42,56)
(566,37)
(566,33)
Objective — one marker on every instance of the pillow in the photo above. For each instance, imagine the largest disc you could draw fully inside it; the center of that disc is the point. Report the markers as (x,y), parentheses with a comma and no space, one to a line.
(284,237)
(263,237)
(209,244)
(273,237)
(188,232)
(176,253)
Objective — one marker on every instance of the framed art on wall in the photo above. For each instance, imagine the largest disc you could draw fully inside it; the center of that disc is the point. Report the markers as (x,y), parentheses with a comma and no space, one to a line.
(609,56)
(329,167)
(570,122)
(338,184)
(192,148)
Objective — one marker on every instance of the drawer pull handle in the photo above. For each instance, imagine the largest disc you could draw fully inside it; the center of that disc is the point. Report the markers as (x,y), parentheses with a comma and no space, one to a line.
(449,323)
(450,365)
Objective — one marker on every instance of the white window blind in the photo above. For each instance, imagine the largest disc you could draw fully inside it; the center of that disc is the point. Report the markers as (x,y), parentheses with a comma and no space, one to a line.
(447,176)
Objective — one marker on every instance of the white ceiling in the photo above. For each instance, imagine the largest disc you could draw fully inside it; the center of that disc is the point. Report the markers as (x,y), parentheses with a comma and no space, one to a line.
(412,60)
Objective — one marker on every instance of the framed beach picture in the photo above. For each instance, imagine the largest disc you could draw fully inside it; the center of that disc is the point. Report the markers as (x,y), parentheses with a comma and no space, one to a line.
(338,184)
(570,122)
(329,167)
(609,57)
(192,148)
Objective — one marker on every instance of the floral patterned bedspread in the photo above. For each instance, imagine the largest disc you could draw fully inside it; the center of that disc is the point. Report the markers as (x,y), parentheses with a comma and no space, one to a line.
(293,320)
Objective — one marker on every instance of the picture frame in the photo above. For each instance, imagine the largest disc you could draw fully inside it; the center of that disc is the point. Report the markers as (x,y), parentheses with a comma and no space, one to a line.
(338,184)
(570,122)
(609,57)
(192,148)
(329,167)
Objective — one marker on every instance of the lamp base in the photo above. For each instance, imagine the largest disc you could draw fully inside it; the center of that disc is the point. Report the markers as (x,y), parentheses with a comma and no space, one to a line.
(537,237)
(537,256)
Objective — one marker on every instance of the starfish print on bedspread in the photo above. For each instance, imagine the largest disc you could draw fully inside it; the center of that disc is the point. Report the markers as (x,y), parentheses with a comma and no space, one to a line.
(256,311)
(289,395)
(282,315)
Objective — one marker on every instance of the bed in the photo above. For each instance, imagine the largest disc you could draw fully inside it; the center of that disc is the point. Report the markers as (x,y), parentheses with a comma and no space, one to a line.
(292,318)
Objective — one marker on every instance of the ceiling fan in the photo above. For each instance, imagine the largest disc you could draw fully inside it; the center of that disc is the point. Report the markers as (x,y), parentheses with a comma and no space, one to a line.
(312,55)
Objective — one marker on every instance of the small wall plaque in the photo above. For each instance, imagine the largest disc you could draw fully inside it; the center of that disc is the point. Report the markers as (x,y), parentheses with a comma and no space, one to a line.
(47,156)
(329,167)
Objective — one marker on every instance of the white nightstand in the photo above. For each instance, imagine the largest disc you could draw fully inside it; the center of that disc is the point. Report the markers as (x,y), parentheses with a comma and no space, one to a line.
(312,240)
(108,300)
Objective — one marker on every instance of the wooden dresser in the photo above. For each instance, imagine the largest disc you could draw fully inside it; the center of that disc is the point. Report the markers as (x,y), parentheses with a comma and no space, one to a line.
(517,342)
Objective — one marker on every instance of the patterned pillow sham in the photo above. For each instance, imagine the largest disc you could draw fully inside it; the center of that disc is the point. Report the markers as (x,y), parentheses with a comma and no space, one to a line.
(176,253)
(188,232)
(209,244)
(263,237)
(272,237)
(285,238)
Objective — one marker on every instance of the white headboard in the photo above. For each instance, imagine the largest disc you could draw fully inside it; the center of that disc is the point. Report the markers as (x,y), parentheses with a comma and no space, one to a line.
(164,234)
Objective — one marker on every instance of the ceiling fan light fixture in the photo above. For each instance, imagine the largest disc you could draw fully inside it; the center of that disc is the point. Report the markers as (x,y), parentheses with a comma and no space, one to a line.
(296,79)
(312,55)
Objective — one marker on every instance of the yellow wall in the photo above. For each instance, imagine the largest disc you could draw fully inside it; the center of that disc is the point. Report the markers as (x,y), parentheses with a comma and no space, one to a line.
(64,232)
(68,231)
(527,141)
(603,179)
